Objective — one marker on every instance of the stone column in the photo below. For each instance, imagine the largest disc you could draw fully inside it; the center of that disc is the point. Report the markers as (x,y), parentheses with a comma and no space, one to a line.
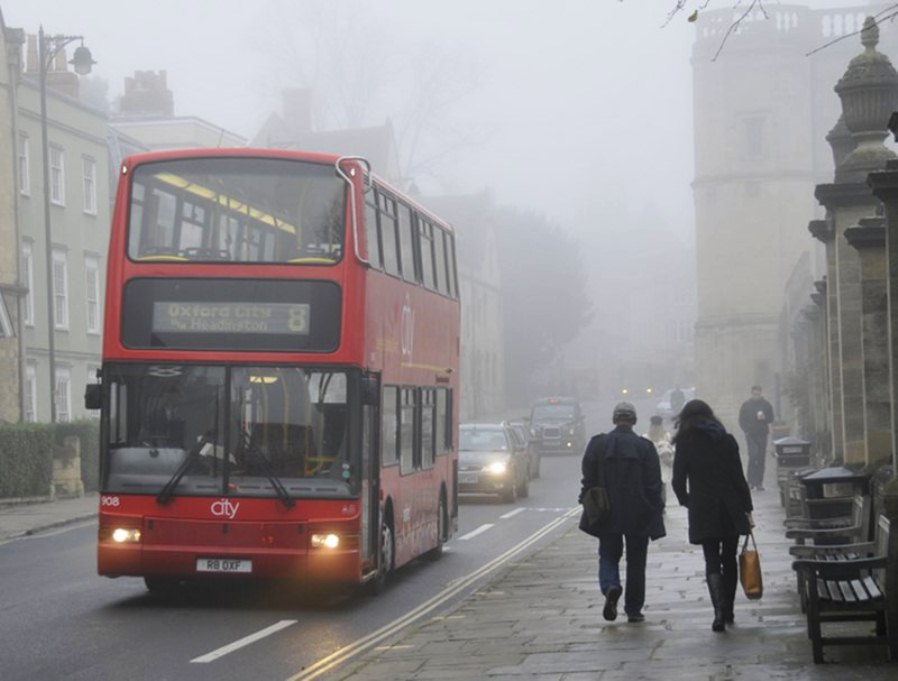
(868,237)
(847,203)
(868,92)
(822,382)
(823,231)
(885,187)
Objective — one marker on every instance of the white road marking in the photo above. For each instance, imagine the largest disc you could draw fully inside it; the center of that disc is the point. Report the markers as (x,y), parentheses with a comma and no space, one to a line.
(474,533)
(347,652)
(245,641)
(513,513)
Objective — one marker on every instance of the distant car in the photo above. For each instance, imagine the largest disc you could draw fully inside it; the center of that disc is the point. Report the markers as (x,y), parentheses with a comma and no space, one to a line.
(663,407)
(533,456)
(491,460)
(557,426)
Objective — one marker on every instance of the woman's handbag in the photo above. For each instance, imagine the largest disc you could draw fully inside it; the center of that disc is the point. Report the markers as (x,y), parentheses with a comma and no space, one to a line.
(750,569)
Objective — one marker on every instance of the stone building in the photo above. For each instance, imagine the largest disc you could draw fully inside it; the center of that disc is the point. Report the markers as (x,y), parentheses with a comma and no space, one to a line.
(74,260)
(10,288)
(763,109)
(146,114)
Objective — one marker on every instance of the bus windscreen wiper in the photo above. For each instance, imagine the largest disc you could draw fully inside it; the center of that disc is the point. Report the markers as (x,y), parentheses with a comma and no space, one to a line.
(165,495)
(275,481)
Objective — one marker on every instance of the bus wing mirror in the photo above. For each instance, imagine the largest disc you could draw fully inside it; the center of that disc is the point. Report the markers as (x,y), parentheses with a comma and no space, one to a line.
(93,396)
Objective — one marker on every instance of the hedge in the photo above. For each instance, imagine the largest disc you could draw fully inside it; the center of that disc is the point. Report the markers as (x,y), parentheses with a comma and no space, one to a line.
(27,451)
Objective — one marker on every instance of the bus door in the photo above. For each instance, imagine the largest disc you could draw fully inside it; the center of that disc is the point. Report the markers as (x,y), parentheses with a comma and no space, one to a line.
(370,465)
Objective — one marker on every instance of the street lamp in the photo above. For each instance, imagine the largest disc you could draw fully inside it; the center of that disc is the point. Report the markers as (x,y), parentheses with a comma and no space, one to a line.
(82,62)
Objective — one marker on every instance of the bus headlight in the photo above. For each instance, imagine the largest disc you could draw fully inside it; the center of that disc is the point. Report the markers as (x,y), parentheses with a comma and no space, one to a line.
(325,541)
(125,535)
(497,468)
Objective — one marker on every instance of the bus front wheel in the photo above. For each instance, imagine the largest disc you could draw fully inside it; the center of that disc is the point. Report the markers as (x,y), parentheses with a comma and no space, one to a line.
(442,531)
(378,583)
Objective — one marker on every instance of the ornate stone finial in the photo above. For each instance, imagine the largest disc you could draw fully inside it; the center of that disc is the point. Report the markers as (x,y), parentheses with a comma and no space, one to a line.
(869,94)
(870,34)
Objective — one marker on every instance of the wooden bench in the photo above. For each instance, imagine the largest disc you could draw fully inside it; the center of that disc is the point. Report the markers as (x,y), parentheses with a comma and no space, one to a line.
(850,583)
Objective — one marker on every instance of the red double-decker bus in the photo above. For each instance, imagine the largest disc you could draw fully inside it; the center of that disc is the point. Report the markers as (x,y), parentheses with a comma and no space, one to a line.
(279,384)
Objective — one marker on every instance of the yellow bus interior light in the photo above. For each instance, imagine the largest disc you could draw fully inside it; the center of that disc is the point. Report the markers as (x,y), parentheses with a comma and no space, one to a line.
(325,541)
(125,535)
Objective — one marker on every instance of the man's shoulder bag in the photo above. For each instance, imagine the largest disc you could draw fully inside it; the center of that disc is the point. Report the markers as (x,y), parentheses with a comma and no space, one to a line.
(596,503)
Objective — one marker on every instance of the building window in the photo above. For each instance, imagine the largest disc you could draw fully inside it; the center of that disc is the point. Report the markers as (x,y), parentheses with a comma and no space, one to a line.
(57,176)
(24,165)
(6,330)
(63,394)
(28,281)
(89,184)
(60,291)
(30,386)
(92,284)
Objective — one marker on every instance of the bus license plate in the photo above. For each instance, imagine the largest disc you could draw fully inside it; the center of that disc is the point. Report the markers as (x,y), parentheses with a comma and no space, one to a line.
(223,565)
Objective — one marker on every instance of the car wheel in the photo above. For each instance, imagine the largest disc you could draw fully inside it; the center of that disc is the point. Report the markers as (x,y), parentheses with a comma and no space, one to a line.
(511,494)
(536,472)
(525,487)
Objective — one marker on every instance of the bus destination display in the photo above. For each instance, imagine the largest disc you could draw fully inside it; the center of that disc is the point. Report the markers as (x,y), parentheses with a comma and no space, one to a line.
(231,317)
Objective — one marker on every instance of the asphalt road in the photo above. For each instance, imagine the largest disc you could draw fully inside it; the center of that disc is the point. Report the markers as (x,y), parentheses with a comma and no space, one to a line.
(61,621)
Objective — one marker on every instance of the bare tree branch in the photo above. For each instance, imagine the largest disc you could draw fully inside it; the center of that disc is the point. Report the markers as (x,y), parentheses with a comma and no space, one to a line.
(736,22)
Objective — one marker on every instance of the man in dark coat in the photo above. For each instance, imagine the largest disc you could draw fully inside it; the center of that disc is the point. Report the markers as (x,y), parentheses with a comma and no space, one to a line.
(755,419)
(632,477)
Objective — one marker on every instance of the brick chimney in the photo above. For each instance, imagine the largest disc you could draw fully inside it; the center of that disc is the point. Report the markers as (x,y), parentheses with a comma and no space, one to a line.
(147,94)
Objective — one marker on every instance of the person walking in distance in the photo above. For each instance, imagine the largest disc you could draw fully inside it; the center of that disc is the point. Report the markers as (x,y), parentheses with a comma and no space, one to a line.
(632,478)
(708,480)
(755,419)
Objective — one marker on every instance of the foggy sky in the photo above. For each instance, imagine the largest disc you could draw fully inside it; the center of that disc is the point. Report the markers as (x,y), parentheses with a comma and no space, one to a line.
(583,106)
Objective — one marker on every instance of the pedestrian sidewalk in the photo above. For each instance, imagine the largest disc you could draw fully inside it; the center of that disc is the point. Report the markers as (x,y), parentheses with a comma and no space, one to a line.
(542,620)
(23,518)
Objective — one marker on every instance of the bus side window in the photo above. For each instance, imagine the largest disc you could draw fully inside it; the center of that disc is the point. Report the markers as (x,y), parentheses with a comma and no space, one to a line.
(407,244)
(426,240)
(387,214)
(450,260)
(389,425)
(428,434)
(371,239)
(439,253)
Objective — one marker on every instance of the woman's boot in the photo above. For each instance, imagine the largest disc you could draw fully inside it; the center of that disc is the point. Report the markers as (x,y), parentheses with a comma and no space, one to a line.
(716,592)
(728,589)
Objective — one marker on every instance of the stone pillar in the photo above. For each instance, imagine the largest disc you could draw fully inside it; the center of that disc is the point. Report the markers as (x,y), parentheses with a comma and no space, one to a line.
(868,92)
(885,187)
(823,437)
(823,231)
(868,237)
(847,203)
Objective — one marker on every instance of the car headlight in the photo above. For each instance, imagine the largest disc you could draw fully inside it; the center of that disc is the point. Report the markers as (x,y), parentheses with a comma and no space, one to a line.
(497,468)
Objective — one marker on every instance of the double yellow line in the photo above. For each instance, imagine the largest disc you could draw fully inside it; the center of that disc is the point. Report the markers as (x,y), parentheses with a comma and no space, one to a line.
(346,653)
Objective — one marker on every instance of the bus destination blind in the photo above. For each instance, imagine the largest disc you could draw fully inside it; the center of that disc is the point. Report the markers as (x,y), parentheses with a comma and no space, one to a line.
(231,317)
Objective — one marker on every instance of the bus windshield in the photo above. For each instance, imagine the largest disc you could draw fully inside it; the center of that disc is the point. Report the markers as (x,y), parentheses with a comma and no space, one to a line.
(236,209)
(229,430)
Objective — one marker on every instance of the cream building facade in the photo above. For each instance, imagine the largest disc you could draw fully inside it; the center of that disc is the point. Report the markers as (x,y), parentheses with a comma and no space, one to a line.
(763,109)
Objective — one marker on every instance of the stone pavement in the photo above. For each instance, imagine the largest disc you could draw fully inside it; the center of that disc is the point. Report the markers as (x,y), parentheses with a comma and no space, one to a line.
(542,620)
(24,518)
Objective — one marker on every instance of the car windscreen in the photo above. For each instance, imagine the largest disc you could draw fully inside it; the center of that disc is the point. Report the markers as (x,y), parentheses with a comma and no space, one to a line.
(482,440)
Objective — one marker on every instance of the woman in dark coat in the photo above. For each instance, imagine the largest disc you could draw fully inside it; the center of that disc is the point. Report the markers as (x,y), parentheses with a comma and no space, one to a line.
(708,480)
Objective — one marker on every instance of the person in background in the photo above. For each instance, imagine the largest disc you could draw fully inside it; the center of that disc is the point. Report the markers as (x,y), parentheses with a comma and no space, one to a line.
(659,436)
(755,419)
(708,480)
(632,475)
